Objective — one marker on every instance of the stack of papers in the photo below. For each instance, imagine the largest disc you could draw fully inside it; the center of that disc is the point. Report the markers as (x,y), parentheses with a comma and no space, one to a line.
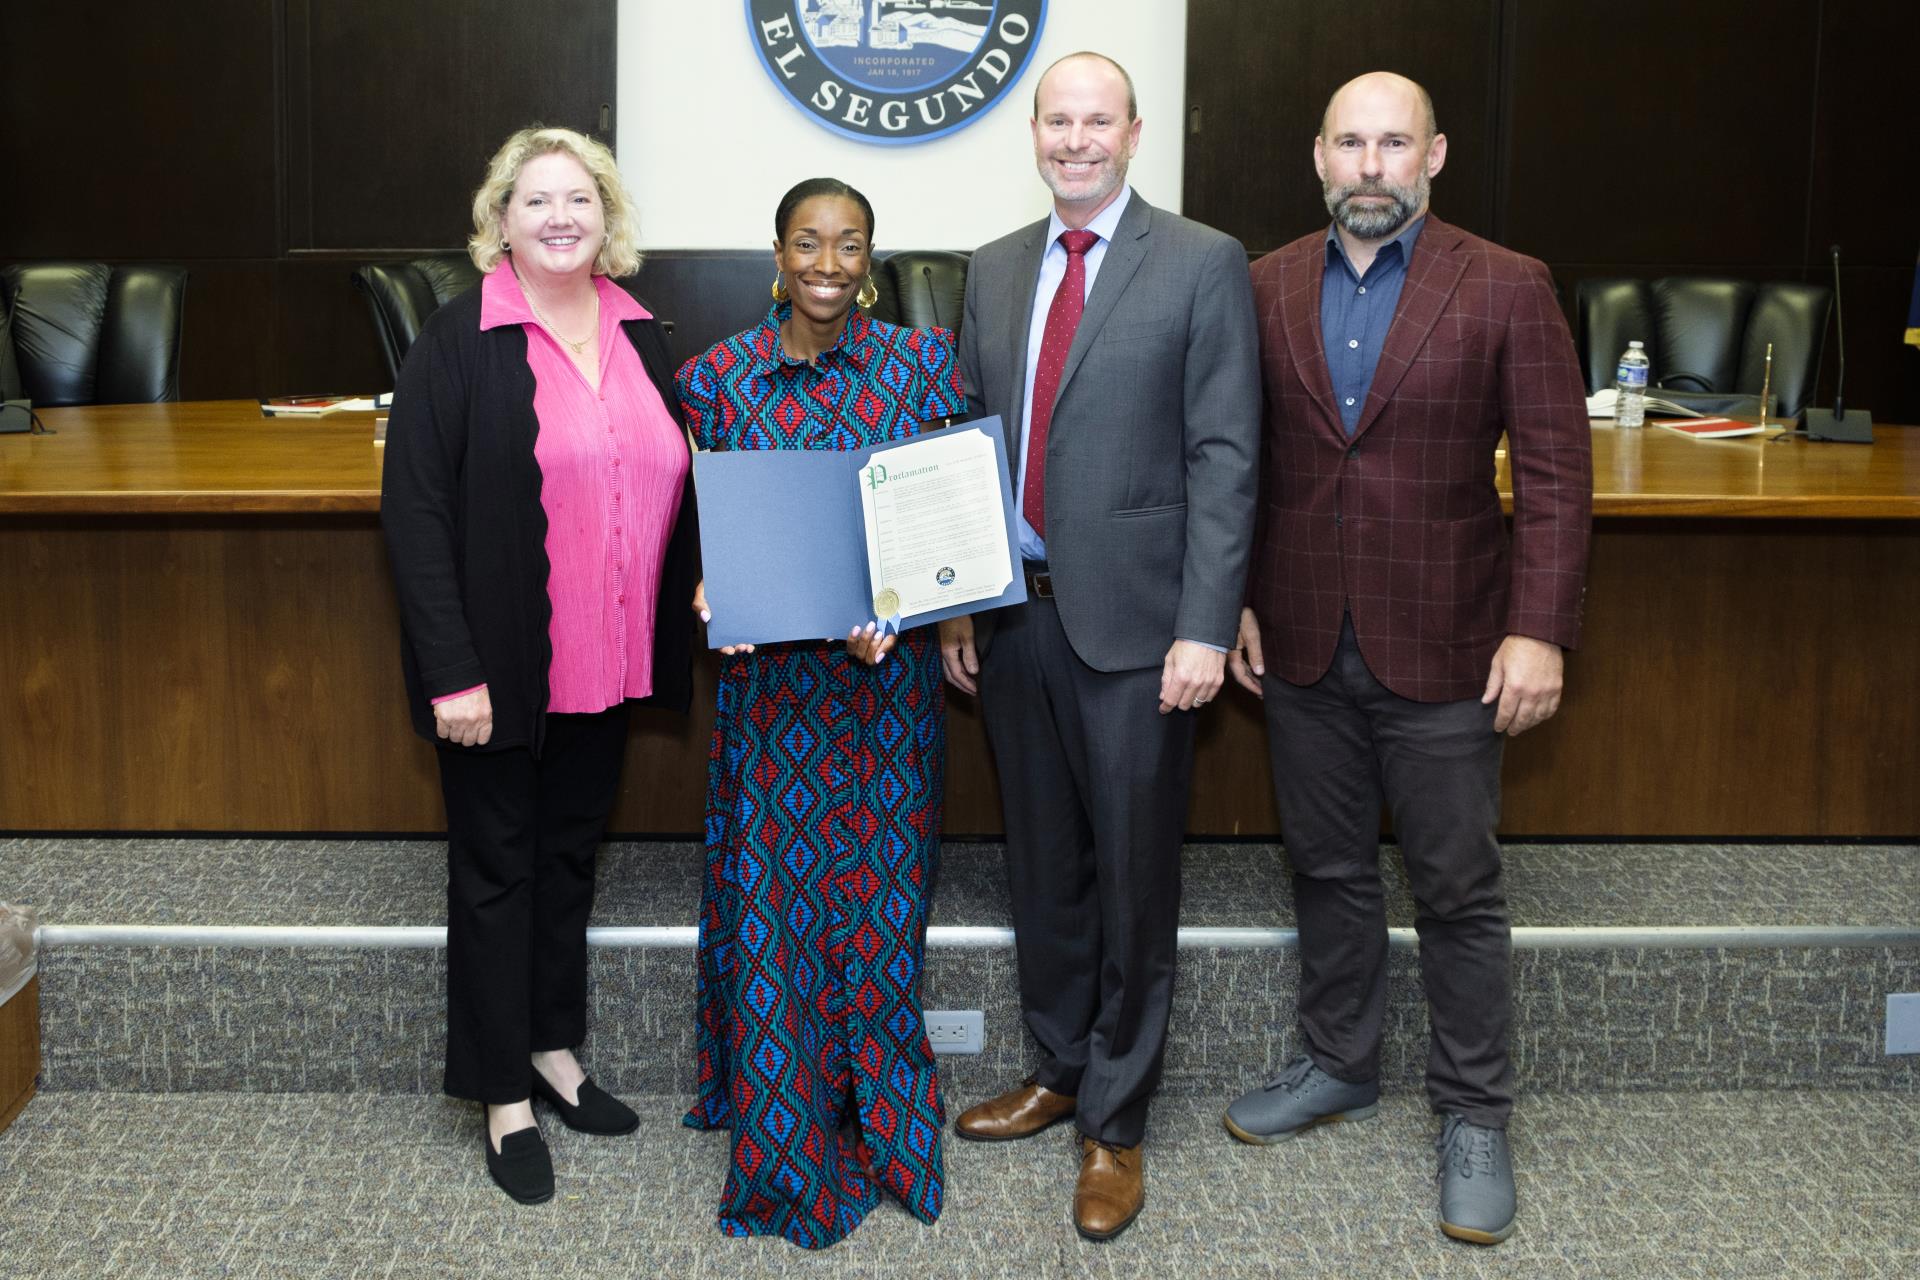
(321,406)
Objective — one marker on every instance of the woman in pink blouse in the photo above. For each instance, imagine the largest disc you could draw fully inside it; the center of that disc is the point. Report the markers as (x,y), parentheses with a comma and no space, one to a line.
(540,522)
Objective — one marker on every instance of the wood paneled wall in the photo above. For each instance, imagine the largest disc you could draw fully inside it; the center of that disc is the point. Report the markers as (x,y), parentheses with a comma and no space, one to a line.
(271,145)
(1743,138)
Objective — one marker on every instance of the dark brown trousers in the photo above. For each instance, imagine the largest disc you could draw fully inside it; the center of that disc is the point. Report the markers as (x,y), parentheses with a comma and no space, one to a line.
(1340,748)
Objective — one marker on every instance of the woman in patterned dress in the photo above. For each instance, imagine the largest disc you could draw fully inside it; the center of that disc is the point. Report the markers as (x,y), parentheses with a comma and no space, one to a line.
(823,786)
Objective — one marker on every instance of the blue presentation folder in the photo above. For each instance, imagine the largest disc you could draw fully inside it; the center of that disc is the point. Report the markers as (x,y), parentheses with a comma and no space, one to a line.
(784,548)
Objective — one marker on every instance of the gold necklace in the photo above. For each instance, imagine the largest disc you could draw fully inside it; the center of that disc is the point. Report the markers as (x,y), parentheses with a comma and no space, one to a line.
(578,348)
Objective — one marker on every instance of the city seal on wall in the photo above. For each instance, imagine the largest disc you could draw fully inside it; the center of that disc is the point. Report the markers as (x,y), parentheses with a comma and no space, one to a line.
(895,71)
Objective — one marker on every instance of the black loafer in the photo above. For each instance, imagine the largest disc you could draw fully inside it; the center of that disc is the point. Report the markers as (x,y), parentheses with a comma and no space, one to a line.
(521,1166)
(597,1112)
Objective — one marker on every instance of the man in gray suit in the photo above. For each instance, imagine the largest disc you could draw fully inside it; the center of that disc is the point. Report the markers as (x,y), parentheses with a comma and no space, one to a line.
(1118,343)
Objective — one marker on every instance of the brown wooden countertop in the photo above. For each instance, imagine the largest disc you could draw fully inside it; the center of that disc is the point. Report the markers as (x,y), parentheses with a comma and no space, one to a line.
(222,456)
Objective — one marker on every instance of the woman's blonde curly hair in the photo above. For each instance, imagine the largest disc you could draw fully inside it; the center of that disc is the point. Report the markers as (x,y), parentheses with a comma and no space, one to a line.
(619,256)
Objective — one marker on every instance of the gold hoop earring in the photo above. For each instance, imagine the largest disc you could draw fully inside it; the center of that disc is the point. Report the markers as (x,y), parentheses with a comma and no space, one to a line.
(868,295)
(779,288)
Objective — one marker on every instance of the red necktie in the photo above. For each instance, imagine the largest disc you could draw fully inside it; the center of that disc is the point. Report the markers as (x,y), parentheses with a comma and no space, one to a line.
(1063,317)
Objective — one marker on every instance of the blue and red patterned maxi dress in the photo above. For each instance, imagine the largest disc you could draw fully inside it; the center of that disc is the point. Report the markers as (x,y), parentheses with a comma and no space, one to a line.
(822,829)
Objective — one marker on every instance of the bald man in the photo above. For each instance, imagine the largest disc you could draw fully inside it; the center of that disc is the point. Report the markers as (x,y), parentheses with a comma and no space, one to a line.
(1116,340)
(1396,633)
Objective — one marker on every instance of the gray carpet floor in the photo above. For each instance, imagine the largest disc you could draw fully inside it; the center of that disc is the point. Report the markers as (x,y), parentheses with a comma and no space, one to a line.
(172,1187)
(312,882)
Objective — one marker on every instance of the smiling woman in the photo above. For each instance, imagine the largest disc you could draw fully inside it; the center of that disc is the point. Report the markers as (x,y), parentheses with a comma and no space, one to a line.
(538,517)
(823,785)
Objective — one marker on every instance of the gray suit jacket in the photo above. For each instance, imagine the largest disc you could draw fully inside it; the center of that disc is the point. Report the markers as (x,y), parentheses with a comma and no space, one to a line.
(1153,451)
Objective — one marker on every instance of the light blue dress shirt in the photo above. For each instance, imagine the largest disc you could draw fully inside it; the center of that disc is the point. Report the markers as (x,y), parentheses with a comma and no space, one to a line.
(1053,269)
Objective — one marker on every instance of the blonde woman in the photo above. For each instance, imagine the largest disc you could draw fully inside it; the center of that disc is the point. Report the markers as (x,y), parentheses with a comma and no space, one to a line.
(540,522)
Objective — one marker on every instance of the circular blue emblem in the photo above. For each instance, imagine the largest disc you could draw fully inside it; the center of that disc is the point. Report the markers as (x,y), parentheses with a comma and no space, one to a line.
(895,71)
(944,577)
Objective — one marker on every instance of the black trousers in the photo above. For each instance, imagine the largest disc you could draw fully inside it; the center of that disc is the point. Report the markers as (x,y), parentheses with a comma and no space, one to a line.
(1094,786)
(521,838)
(1339,747)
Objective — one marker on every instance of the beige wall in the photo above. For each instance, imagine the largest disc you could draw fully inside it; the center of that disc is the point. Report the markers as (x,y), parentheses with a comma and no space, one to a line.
(709,143)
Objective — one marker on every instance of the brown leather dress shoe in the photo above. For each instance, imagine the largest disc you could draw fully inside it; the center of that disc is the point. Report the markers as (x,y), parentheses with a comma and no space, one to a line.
(1019,1114)
(1111,1191)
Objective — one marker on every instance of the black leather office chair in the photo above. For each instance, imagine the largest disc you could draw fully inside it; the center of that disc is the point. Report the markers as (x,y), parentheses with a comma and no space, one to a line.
(91,333)
(401,295)
(1706,335)
(921,288)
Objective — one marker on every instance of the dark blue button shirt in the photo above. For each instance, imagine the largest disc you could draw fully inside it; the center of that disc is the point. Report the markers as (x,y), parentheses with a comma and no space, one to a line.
(1355,313)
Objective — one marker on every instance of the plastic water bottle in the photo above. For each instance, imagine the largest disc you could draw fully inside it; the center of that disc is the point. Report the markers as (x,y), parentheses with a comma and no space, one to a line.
(1631,382)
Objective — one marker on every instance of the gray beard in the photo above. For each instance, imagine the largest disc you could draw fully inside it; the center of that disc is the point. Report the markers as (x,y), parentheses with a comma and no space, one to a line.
(1375,222)
(1111,176)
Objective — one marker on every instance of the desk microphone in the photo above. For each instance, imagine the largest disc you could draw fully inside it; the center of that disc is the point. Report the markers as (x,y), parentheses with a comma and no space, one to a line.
(1839,425)
(933,299)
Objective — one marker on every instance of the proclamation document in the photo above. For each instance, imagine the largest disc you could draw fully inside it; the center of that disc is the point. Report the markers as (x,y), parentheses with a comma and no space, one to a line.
(936,524)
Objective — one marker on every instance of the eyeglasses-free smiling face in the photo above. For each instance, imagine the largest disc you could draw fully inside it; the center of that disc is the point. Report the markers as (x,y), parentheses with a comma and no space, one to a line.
(554,219)
(1082,136)
(825,253)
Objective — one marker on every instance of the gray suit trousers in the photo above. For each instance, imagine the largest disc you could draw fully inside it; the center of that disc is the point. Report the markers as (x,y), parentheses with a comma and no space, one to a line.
(1339,746)
(1094,783)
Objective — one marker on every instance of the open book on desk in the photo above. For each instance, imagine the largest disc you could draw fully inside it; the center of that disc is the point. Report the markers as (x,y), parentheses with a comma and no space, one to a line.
(806,544)
(1601,404)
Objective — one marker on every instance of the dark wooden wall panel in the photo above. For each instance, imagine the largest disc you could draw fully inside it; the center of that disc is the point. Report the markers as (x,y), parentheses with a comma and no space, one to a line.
(708,294)
(1865,185)
(228,344)
(1699,155)
(1864,199)
(396,108)
(325,336)
(138,131)
(1260,76)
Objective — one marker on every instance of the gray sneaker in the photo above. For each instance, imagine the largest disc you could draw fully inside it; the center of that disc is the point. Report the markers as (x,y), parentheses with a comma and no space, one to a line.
(1476,1182)
(1296,1100)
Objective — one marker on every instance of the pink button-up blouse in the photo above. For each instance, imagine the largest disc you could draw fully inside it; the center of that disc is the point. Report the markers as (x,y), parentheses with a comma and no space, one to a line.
(612,465)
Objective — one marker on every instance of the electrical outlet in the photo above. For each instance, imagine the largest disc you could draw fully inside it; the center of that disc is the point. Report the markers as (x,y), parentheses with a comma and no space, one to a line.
(956,1031)
(1903,1022)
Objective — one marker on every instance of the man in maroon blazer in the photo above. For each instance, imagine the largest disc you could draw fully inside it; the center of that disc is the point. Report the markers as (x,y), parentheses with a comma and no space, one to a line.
(1396,633)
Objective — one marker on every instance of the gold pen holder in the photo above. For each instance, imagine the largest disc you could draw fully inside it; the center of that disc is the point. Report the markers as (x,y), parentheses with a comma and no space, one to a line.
(1766,389)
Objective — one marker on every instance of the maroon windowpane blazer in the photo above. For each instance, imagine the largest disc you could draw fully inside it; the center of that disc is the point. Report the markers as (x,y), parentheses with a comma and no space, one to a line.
(1402,524)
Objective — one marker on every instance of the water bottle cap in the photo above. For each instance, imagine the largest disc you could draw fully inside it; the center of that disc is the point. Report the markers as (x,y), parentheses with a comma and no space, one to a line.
(1637,346)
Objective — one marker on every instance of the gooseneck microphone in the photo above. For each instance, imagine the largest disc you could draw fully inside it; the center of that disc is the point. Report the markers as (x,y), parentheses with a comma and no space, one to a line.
(1839,336)
(1838,425)
(933,298)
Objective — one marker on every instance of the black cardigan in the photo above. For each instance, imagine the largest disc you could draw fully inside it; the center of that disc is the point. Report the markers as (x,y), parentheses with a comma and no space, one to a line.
(460,504)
